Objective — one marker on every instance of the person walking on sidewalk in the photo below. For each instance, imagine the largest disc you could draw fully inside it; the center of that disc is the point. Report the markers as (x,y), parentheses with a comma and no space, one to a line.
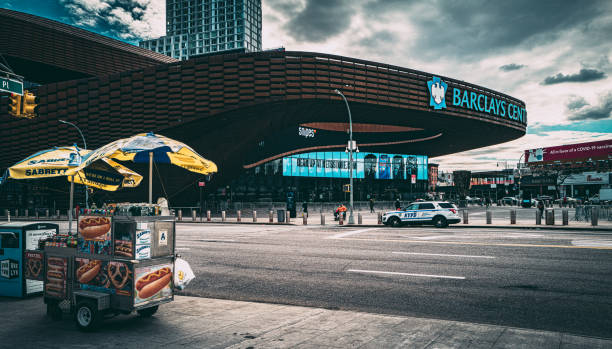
(371,205)
(541,208)
(398,205)
(305,208)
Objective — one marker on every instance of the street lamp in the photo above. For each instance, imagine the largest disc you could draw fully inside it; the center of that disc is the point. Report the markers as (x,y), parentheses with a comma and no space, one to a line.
(352,146)
(85,147)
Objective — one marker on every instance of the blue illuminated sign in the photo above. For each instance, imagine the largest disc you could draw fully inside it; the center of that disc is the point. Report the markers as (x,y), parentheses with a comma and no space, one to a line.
(365,165)
(474,101)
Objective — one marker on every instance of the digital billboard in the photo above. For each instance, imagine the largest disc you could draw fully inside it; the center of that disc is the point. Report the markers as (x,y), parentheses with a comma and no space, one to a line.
(365,165)
(564,153)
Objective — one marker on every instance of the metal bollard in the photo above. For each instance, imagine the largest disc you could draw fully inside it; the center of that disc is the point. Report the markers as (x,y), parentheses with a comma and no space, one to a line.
(193,215)
(16,213)
(208,217)
(254,216)
(271,217)
(359,219)
(340,220)
(489,217)
(379,218)
(222,216)
(238,216)
(565,216)
(180,214)
(304,219)
(512,216)
(594,215)
(538,217)
(550,217)
(322,219)
(26,213)
(6,212)
(37,214)
(47,213)
(287,216)
(8,215)
(57,214)
(466,219)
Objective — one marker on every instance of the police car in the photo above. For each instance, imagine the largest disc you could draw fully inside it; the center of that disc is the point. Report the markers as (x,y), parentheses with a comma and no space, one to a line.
(438,213)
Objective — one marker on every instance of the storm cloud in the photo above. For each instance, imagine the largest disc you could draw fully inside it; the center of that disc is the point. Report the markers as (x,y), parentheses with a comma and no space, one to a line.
(129,20)
(511,67)
(320,20)
(584,75)
(601,111)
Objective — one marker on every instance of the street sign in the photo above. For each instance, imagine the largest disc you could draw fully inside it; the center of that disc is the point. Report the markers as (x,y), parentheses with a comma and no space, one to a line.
(346,188)
(413,179)
(10,85)
(201,184)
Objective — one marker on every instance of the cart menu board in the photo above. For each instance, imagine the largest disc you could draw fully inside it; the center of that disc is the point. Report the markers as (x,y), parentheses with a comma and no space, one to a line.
(57,268)
(94,235)
(104,276)
(153,283)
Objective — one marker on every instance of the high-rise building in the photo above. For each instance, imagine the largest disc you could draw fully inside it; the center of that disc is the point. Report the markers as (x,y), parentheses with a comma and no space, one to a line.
(200,27)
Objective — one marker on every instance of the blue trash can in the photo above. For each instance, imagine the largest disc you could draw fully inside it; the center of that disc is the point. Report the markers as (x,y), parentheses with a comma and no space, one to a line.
(15,238)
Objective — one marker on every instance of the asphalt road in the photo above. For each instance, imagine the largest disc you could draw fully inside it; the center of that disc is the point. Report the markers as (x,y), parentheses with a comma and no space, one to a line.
(558,281)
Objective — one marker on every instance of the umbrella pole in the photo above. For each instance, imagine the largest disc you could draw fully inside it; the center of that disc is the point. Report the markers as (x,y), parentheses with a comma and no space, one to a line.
(71,203)
(150,177)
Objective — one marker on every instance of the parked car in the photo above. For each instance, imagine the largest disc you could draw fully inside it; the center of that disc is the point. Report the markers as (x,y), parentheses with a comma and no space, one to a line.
(570,200)
(508,200)
(438,213)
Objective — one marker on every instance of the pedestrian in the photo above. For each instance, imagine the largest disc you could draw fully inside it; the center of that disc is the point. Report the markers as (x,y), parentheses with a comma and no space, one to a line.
(541,208)
(305,208)
(398,205)
(371,205)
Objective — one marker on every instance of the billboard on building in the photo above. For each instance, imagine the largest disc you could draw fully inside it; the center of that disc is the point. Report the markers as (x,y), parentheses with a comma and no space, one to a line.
(565,153)
(365,165)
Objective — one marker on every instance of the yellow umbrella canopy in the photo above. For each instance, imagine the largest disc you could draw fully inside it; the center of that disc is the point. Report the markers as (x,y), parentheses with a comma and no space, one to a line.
(151,148)
(141,147)
(104,174)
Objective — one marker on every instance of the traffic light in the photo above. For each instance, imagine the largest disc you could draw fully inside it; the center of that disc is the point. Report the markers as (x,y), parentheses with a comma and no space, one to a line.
(15,104)
(346,188)
(29,104)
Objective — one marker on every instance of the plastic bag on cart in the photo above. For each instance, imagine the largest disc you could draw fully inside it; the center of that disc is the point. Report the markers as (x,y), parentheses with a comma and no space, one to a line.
(182,273)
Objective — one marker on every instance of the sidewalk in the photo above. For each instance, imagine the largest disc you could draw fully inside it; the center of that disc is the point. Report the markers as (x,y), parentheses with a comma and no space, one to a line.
(192,322)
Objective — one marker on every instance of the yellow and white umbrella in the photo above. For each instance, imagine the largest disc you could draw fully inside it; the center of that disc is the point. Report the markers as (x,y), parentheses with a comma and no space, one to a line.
(104,174)
(150,148)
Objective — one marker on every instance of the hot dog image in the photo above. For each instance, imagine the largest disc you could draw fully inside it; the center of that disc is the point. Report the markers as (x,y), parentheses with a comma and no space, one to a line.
(55,277)
(93,227)
(148,285)
(123,248)
(88,272)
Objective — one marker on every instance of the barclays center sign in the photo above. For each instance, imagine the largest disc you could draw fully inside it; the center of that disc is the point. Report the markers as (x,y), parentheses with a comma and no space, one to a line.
(474,101)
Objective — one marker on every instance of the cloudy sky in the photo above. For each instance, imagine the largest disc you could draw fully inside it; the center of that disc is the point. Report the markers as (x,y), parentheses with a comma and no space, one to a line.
(554,55)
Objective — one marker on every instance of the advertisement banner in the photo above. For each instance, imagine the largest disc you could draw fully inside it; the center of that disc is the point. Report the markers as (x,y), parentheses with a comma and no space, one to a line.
(104,276)
(94,235)
(590,150)
(57,269)
(586,178)
(365,165)
(153,283)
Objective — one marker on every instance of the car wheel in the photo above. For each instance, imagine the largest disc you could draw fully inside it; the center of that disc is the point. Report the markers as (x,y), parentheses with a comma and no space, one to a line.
(148,312)
(395,222)
(86,315)
(439,222)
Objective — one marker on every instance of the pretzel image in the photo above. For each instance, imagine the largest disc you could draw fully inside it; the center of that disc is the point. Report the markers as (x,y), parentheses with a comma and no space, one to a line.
(118,273)
(34,267)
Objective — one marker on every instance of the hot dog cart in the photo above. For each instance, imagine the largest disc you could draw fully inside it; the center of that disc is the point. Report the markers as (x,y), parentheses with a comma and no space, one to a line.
(116,264)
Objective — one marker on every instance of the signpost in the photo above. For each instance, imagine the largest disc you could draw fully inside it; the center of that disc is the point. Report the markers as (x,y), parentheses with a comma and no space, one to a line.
(11,85)
(201,184)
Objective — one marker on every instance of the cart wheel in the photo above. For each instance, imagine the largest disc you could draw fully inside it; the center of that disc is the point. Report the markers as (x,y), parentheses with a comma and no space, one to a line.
(86,315)
(148,312)
(53,310)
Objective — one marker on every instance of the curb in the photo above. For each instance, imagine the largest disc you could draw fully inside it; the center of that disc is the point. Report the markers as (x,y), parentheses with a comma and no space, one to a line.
(489,226)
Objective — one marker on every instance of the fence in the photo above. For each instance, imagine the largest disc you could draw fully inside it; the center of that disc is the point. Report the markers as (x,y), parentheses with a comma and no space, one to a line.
(583,212)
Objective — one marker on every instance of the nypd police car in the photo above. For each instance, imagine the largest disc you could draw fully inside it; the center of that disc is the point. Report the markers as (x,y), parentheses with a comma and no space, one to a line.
(438,213)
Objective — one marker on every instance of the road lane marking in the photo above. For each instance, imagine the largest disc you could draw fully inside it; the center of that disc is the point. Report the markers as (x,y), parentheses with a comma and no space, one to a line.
(349,233)
(442,255)
(405,274)
(182,248)
(592,243)
(477,243)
